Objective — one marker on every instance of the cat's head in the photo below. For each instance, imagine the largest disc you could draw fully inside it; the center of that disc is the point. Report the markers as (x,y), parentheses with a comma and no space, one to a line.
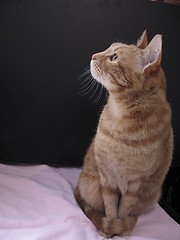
(122,66)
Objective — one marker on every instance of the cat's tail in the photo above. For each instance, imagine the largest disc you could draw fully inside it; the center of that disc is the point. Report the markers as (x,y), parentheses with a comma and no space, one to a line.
(107,227)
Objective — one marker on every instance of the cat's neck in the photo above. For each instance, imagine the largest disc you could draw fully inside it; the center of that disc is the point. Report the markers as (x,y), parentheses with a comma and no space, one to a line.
(127,103)
(116,107)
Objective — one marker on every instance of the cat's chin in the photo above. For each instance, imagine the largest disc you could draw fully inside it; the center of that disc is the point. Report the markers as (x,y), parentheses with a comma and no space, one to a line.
(94,72)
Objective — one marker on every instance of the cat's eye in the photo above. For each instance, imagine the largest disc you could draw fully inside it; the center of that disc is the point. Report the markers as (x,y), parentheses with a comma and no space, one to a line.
(114,57)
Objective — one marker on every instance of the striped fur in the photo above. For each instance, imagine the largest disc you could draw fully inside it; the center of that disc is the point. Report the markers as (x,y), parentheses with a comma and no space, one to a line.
(128,158)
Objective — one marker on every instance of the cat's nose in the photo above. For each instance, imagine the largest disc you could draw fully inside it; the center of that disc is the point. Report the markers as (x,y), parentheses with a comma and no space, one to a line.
(93,57)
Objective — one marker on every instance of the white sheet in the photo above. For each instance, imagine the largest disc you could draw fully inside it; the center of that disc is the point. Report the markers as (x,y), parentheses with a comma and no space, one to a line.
(37,203)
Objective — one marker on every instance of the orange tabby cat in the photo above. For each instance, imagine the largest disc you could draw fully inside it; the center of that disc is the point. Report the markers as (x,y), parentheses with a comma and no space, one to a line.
(130,154)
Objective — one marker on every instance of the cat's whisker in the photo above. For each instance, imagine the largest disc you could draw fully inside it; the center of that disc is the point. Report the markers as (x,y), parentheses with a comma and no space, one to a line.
(86,85)
(87,68)
(86,72)
(86,79)
(97,86)
(85,93)
(90,85)
(89,88)
(101,92)
(99,95)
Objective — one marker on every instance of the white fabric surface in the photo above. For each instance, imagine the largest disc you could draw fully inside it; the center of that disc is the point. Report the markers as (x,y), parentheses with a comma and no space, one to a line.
(37,203)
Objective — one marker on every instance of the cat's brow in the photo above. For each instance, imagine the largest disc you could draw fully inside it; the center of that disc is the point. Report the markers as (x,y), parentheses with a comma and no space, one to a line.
(120,47)
(115,49)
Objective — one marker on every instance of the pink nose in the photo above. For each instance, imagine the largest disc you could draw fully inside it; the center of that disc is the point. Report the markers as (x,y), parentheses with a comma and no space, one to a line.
(93,57)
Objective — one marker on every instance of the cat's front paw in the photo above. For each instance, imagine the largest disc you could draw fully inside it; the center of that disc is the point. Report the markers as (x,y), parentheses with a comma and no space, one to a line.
(105,235)
(124,234)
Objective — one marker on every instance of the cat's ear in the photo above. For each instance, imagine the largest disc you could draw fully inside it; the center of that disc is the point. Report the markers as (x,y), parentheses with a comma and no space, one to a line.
(152,55)
(143,41)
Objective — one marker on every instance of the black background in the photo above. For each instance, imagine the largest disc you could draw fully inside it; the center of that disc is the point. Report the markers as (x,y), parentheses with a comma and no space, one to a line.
(44,46)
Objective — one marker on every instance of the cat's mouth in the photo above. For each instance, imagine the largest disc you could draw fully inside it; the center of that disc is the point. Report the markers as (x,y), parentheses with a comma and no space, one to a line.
(96,71)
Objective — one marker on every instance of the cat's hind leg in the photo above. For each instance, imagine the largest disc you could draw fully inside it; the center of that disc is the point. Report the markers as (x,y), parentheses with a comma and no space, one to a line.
(146,202)
(89,188)
(89,191)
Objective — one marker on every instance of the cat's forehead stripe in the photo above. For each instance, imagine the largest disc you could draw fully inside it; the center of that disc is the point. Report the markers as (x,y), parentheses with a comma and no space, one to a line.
(120,47)
(117,46)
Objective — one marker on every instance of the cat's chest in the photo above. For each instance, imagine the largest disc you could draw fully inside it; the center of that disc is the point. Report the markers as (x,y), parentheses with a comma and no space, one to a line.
(113,174)
(117,162)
